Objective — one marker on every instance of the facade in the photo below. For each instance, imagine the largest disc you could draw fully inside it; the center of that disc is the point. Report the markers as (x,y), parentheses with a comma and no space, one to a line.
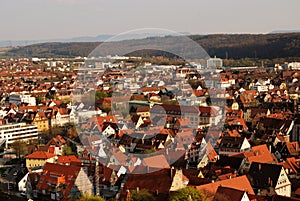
(61,182)
(231,194)
(20,131)
(17,99)
(214,63)
(210,115)
(56,145)
(38,159)
(41,121)
(233,145)
(269,178)
(176,111)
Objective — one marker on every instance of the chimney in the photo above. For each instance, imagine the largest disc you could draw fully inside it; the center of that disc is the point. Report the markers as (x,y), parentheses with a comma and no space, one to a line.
(172,170)
(258,192)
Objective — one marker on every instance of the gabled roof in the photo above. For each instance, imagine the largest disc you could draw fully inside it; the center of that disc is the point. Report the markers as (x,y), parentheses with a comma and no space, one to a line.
(231,142)
(40,155)
(208,111)
(225,193)
(292,164)
(73,160)
(293,148)
(264,175)
(283,198)
(55,175)
(57,141)
(158,182)
(158,161)
(240,183)
(233,161)
(210,152)
(260,154)
(255,111)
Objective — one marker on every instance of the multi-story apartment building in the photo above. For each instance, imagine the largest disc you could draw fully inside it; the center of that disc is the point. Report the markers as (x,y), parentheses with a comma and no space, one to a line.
(20,131)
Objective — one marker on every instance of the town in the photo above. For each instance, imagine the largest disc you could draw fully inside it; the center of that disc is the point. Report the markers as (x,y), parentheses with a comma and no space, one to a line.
(159,128)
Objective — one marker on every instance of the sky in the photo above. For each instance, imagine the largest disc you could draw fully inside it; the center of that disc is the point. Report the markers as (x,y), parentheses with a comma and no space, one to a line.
(48,19)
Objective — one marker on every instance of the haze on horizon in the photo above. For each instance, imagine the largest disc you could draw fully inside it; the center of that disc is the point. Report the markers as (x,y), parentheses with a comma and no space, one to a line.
(49,19)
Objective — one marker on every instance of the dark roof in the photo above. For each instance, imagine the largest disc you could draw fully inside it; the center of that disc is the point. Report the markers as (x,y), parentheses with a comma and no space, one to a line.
(263,175)
(233,162)
(158,183)
(272,123)
(126,140)
(283,198)
(174,109)
(197,181)
(228,194)
(231,142)
(255,111)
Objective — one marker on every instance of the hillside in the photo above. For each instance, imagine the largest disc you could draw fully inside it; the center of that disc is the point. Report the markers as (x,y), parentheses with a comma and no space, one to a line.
(231,46)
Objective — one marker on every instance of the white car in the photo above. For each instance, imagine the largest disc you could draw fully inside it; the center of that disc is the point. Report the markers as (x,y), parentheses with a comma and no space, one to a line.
(23,193)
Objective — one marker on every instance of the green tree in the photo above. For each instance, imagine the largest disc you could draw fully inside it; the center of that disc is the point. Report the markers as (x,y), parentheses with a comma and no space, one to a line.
(188,194)
(68,151)
(100,94)
(19,146)
(87,197)
(141,195)
(149,151)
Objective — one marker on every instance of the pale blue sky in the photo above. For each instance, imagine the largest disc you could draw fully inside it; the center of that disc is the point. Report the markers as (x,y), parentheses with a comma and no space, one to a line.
(46,19)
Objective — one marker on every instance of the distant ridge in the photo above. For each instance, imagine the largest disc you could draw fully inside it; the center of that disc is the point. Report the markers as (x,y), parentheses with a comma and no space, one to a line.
(284,31)
(225,46)
(99,38)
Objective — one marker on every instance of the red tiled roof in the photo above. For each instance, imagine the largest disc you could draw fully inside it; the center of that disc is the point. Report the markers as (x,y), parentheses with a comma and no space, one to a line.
(40,155)
(56,174)
(293,147)
(240,183)
(158,182)
(231,194)
(259,153)
(68,159)
(158,161)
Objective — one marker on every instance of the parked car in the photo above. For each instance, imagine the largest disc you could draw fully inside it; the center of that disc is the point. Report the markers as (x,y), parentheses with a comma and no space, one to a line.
(23,193)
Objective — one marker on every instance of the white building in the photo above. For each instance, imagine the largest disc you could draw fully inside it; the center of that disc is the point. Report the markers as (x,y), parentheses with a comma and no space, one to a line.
(20,131)
(294,65)
(22,182)
(214,63)
(18,98)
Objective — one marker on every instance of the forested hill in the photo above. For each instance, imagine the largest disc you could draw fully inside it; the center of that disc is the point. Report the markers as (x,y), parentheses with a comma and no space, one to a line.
(263,46)
(231,46)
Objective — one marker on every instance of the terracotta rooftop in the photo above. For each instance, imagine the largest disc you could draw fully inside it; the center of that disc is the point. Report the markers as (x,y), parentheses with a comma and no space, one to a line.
(40,155)
(158,161)
(68,160)
(225,193)
(240,183)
